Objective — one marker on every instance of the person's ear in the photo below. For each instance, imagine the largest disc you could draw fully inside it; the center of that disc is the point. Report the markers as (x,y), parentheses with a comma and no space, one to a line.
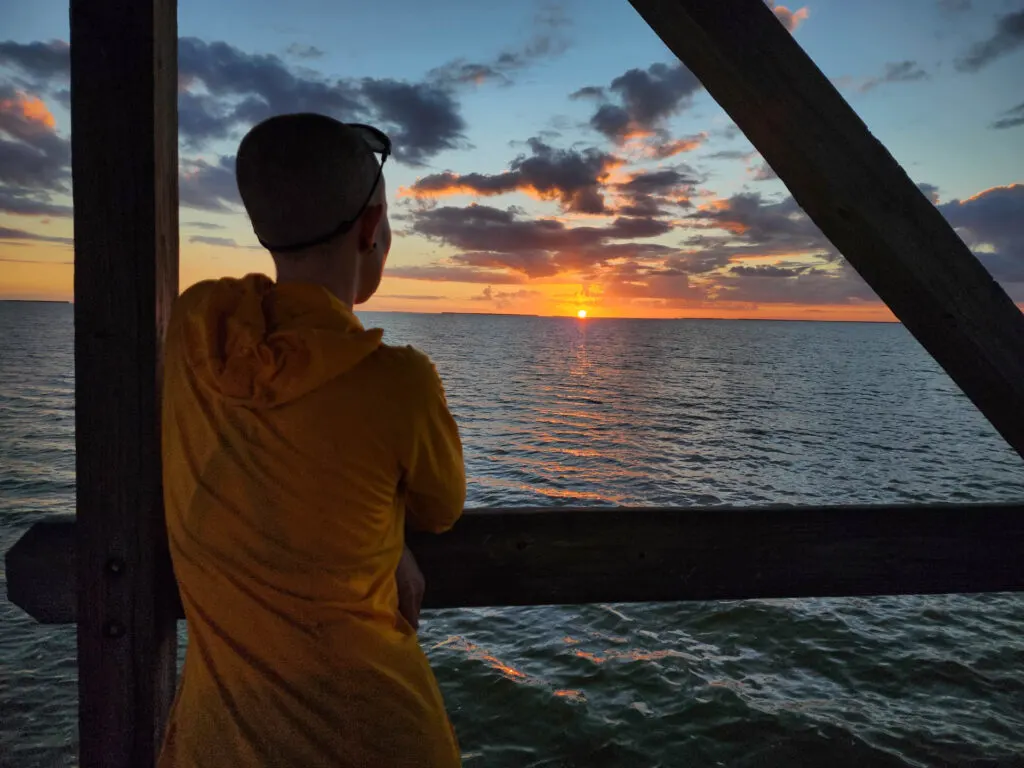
(368,224)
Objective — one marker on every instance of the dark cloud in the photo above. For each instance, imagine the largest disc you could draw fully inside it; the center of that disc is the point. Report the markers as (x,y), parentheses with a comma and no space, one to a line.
(461,72)
(660,182)
(221,242)
(730,132)
(410,297)
(261,82)
(455,273)
(224,90)
(20,201)
(573,177)
(896,72)
(725,262)
(930,191)
(38,166)
(547,41)
(992,224)
(203,118)
(641,205)
(304,51)
(764,226)
(768,270)
(1007,37)
(826,285)
(646,285)
(650,193)
(663,147)
(209,187)
(1011,118)
(807,268)
(498,239)
(35,162)
(588,92)
(40,65)
(202,225)
(697,262)
(747,250)
(732,154)
(639,101)
(423,119)
(239,89)
(763,172)
(484,229)
(502,299)
(6,233)
(242,89)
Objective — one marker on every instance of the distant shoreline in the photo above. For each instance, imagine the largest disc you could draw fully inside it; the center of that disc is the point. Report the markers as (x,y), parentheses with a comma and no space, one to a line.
(35,301)
(590,319)
(599,318)
(478,314)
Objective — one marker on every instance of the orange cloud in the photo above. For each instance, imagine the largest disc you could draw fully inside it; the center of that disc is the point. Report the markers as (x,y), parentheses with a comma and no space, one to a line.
(574,178)
(717,204)
(984,192)
(678,146)
(790,19)
(30,110)
(636,131)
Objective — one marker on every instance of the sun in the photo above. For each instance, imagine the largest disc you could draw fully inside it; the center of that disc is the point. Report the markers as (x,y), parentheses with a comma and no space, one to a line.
(581,314)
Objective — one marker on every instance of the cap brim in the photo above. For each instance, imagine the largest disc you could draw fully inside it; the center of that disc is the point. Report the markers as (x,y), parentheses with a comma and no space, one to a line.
(376,139)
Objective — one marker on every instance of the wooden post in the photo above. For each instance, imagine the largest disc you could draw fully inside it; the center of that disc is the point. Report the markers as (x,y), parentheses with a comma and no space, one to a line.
(124,141)
(856,193)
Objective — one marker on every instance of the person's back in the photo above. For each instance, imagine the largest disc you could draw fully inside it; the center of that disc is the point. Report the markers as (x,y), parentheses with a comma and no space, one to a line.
(296,448)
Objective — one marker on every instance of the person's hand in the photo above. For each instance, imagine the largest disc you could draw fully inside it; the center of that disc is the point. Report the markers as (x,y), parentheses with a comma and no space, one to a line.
(411,586)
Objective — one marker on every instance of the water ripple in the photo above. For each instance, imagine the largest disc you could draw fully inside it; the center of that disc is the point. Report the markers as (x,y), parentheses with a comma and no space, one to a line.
(557,412)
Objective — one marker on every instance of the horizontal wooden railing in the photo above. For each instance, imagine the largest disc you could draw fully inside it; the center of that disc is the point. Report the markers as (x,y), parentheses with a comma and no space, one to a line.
(553,556)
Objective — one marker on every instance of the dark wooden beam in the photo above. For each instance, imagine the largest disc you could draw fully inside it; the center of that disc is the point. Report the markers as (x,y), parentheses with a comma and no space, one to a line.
(42,571)
(856,193)
(573,556)
(124,140)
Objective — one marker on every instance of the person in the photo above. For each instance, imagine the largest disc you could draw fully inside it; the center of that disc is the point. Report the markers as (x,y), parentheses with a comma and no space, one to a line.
(297,446)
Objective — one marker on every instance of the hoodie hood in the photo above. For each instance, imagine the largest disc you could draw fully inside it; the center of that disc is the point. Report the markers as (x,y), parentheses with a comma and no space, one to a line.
(259,344)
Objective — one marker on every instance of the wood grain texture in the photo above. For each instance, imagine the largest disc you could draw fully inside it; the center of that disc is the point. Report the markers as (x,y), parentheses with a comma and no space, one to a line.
(537,557)
(124,142)
(622,555)
(856,193)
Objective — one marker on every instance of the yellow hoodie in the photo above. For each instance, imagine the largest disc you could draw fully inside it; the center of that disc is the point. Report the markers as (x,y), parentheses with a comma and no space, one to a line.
(295,447)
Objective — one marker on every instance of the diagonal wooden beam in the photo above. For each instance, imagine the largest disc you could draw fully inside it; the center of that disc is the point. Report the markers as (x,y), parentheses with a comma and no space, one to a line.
(857,194)
(125,171)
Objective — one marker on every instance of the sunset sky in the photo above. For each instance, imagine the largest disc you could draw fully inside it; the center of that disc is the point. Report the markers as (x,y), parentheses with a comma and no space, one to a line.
(550,156)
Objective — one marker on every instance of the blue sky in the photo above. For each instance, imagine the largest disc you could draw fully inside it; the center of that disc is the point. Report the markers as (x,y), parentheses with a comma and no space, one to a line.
(929,77)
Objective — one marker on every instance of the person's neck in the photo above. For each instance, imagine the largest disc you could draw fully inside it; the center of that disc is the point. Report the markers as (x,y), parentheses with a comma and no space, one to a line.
(312,270)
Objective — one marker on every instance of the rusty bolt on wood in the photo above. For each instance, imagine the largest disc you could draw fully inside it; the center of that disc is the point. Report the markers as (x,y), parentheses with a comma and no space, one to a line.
(115,565)
(113,628)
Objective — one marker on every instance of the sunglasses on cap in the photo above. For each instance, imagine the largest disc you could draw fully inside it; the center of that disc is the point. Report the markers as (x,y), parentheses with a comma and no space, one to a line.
(379,144)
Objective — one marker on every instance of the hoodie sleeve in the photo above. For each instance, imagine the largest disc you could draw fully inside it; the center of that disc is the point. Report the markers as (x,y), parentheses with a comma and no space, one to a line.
(435,476)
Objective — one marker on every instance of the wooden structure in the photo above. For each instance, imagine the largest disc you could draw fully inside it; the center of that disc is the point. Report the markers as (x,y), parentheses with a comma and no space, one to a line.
(124,139)
(560,556)
(108,569)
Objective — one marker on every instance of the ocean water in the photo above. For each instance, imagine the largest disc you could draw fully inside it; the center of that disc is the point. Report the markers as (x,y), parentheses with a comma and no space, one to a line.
(558,411)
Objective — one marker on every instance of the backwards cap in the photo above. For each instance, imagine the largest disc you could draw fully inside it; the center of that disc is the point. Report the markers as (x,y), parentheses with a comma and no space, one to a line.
(300,175)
